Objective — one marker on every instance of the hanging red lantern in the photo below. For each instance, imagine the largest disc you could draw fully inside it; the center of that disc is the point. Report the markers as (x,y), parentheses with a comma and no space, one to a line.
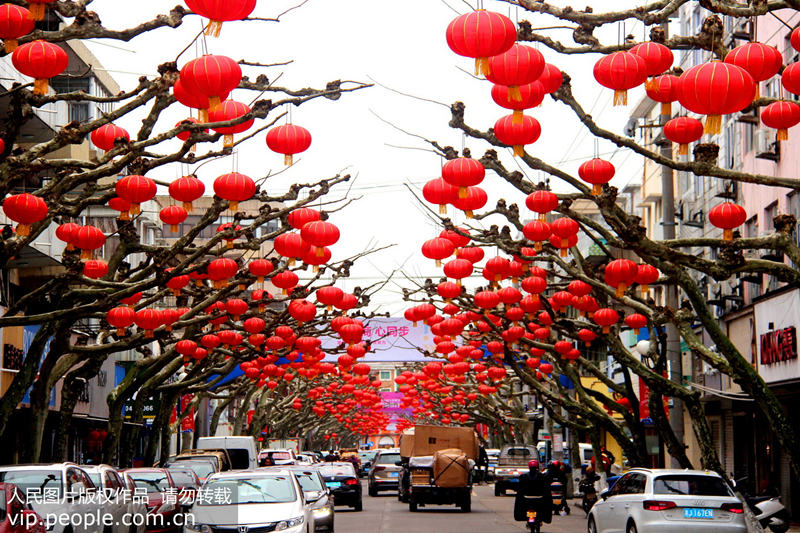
(646,275)
(481,34)
(587,336)
(188,95)
(212,76)
(347,302)
(781,116)
(291,246)
(530,96)
(657,59)
(329,296)
(463,172)
(87,239)
(123,206)
(459,238)
(564,229)
(517,135)
(186,134)
(794,39)
(475,199)
(288,140)
(286,280)
(176,283)
(597,172)
(234,187)
(636,321)
(95,268)
(438,191)
(438,249)
(120,318)
(760,60)
(174,215)
(227,111)
(551,78)
(15,21)
(606,318)
(26,210)
(620,274)
(683,130)
(219,11)
(664,89)
(487,299)
(320,234)
(519,65)
(186,347)
(136,190)
(38,8)
(302,310)
(106,136)
(221,270)
(620,71)
(41,61)
(131,300)
(148,320)
(727,216)
(458,269)
(716,89)
(187,189)
(538,232)
(312,258)
(790,78)
(236,307)
(449,290)
(579,288)
(473,254)
(542,202)
(302,216)
(260,268)
(64,233)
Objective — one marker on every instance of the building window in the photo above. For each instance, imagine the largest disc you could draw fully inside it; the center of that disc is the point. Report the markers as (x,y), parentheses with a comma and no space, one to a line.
(386,375)
(770,213)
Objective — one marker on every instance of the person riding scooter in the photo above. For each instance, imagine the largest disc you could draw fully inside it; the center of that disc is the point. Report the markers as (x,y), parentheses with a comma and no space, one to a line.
(587,488)
(533,494)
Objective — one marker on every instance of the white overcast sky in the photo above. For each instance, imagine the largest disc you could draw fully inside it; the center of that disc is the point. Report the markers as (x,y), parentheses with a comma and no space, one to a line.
(400,45)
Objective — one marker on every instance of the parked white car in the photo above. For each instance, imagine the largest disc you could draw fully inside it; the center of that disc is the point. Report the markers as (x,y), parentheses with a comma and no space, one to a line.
(118,501)
(668,501)
(62,494)
(250,500)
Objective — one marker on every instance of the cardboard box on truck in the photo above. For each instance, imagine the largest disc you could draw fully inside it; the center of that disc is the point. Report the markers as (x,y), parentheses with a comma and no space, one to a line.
(426,440)
(450,468)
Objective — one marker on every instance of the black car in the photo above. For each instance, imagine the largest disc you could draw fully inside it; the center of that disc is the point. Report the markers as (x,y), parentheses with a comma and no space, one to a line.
(342,480)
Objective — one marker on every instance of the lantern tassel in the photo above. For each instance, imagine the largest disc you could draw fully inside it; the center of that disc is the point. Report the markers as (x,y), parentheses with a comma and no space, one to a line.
(187,206)
(519,150)
(227,141)
(514,93)
(233,205)
(563,252)
(442,209)
(135,209)
(202,115)
(597,189)
(542,217)
(621,290)
(620,97)
(727,235)
(37,10)
(213,101)
(463,192)
(288,160)
(470,214)
(229,245)
(121,332)
(86,255)
(484,64)
(516,116)
(758,91)
(644,289)
(173,228)
(666,109)
(683,149)
(23,230)
(713,125)
(319,251)
(10,45)
(176,292)
(438,263)
(783,135)
(41,85)
(650,83)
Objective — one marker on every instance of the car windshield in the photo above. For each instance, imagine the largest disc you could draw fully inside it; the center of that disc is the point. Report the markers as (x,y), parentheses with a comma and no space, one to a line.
(95,477)
(213,458)
(152,482)
(388,458)
(330,470)
(518,452)
(182,478)
(203,469)
(280,455)
(265,489)
(309,481)
(44,482)
(692,485)
(367,456)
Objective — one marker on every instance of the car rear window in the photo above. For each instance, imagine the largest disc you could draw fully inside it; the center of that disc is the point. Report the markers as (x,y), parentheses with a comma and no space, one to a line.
(280,455)
(182,479)
(44,482)
(201,468)
(150,481)
(692,485)
(388,458)
(337,470)
(518,452)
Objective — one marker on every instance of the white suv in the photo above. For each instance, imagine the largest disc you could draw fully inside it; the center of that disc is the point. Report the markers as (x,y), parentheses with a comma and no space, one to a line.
(668,501)
(118,501)
(62,494)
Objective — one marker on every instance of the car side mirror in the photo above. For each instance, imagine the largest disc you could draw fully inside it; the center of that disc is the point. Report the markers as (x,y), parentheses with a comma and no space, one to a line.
(604,495)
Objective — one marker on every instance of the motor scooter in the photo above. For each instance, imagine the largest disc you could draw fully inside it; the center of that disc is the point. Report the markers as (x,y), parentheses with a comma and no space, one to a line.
(558,492)
(534,523)
(767,508)
(589,492)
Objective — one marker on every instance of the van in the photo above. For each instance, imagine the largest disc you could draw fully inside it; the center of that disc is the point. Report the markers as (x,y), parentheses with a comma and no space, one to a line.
(241,449)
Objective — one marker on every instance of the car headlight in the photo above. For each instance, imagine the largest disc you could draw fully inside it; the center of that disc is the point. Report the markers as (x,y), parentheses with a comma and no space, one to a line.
(196,527)
(322,512)
(292,522)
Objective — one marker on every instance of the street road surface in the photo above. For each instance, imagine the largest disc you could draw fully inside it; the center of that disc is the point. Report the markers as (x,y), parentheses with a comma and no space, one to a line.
(490,514)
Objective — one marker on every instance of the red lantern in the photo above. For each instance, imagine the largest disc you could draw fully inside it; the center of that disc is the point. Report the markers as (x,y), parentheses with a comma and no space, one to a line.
(174,215)
(64,233)
(288,140)
(186,347)
(120,317)
(438,248)
(219,11)
(795,39)
(190,96)
(347,302)
(40,60)
(212,76)
(716,89)
(329,296)
(606,318)
(38,8)
(123,206)
(448,290)
(538,232)
(186,189)
(320,234)
(227,111)
(760,60)
(598,172)
(312,258)
(542,202)
(458,239)
(551,78)
(302,310)
(645,276)
(186,134)
(234,187)
(95,268)
(15,21)
(620,71)
(664,89)
(727,216)
(481,34)
(136,190)
(517,135)
(636,322)
(487,299)
(458,269)
(290,245)
(657,58)
(475,199)
(286,280)
(148,320)
(620,274)
(302,216)
(176,283)
(781,115)
(587,336)
(519,65)
(86,239)
(790,78)
(579,288)
(530,96)
(463,172)
(473,254)
(260,268)
(106,136)
(683,130)
(564,229)
(26,210)
(221,270)
(438,191)
(236,307)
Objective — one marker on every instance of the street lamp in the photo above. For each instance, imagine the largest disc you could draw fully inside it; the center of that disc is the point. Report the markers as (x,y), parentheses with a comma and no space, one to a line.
(642,347)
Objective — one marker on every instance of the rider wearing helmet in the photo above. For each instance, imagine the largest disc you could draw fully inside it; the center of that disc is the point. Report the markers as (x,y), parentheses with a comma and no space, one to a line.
(533,483)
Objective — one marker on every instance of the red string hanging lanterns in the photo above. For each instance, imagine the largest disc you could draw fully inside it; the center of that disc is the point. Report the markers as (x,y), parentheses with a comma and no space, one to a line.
(665,90)
(234,187)
(683,131)
(542,202)
(329,296)
(530,96)
(760,60)
(286,280)
(438,191)
(657,59)
(620,71)
(587,336)
(187,189)
(551,78)
(475,199)
(303,311)
(519,65)
(227,111)
(26,210)
(176,283)
(219,11)
(106,135)
(64,233)
(459,240)
(437,249)
(463,172)
(123,206)
(727,217)
(212,76)
(715,89)
(517,135)
(481,35)
(174,215)
(41,61)
(136,190)
(15,21)
(597,172)
(620,274)
(781,116)
(458,269)
(320,234)
(288,140)
(473,254)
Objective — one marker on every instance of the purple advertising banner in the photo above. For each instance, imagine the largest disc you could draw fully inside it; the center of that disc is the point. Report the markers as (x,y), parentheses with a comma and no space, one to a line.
(391,406)
(393,339)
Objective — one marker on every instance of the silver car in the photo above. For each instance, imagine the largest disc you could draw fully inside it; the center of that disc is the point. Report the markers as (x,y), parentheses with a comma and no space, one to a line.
(252,500)
(668,501)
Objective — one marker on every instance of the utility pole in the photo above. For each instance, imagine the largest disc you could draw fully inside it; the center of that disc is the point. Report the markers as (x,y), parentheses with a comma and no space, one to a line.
(674,358)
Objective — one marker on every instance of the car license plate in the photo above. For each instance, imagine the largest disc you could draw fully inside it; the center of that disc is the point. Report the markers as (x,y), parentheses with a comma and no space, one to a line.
(394,474)
(697,512)
(514,480)
(333,484)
